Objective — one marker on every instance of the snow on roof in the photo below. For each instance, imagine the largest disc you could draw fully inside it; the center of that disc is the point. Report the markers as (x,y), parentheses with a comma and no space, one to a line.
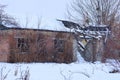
(46,24)
(99,25)
(53,24)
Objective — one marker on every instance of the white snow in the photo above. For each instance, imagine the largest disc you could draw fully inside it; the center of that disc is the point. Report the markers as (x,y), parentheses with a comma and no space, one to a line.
(48,24)
(53,24)
(55,71)
(79,70)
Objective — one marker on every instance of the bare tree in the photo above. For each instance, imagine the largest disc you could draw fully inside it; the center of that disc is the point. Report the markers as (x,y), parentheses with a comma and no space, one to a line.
(6,19)
(94,12)
(27,22)
(86,12)
(39,22)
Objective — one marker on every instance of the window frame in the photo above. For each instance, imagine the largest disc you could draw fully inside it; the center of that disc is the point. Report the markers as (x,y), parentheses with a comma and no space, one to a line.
(59,45)
(22,44)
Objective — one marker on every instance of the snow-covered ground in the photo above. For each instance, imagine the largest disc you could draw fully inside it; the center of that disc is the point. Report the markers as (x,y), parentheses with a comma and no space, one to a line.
(55,71)
(79,70)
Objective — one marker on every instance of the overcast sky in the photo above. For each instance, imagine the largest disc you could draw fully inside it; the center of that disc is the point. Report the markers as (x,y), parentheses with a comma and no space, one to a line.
(32,9)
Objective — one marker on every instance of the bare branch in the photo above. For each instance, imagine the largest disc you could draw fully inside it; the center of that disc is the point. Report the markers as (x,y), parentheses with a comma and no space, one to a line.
(94,11)
(6,19)
(39,22)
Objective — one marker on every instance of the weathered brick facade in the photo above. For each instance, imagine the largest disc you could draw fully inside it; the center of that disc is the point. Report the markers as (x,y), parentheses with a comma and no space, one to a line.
(33,45)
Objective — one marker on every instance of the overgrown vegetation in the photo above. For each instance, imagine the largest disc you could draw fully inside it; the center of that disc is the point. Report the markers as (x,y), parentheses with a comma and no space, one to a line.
(21,74)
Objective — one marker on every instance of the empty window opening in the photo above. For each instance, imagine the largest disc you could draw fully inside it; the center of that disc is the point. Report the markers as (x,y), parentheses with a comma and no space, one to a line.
(119,54)
(59,45)
(22,44)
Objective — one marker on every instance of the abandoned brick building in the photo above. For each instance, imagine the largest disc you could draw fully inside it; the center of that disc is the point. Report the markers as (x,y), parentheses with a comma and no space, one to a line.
(34,45)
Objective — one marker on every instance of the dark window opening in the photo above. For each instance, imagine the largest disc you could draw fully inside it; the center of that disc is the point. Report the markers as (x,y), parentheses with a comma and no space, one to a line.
(22,44)
(119,54)
(59,45)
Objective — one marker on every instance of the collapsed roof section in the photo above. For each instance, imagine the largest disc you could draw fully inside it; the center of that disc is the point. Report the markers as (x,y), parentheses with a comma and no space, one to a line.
(71,25)
(89,30)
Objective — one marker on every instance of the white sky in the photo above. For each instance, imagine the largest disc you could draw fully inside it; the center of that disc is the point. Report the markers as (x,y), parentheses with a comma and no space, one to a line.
(32,9)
